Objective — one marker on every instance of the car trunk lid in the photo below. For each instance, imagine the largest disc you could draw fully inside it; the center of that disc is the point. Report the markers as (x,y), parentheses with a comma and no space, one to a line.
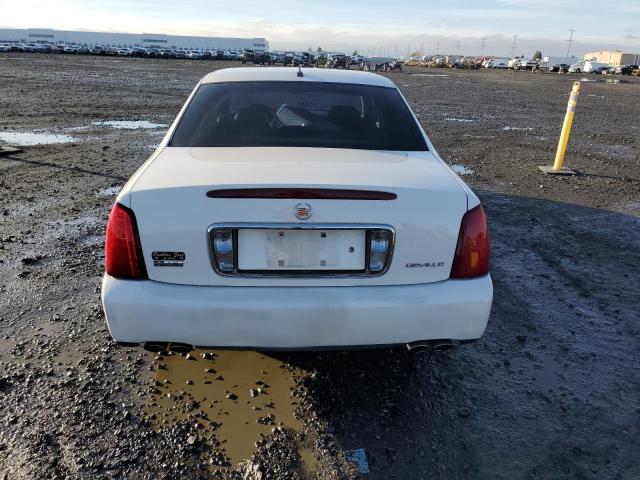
(184,191)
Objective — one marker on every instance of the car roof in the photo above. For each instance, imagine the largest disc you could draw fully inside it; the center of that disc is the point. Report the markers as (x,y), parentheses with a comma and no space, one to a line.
(284,74)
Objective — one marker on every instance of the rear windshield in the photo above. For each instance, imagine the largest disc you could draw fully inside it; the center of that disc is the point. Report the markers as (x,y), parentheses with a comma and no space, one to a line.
(298,114)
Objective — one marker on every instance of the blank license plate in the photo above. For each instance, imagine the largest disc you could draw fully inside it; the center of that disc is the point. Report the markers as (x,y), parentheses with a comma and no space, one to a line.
(272,249)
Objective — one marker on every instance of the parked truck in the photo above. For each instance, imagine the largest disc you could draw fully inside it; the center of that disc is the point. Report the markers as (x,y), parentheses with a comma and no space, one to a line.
(591,66)
(588,66)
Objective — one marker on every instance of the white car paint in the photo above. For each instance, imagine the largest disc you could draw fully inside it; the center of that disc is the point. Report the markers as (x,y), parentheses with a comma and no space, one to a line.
(276,74)
(195,305)
(296,317)
(181,176)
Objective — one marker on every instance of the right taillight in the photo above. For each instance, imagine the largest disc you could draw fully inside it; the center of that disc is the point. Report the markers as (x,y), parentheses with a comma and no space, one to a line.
(472,252)
(123,254)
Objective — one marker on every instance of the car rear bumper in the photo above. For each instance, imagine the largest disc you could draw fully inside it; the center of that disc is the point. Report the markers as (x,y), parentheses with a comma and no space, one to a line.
(296,317)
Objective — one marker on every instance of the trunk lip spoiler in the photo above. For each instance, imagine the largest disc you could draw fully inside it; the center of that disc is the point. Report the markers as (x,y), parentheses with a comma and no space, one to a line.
(302,193)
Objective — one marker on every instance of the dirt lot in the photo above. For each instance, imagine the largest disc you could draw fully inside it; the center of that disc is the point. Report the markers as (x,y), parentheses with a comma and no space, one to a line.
(551,391)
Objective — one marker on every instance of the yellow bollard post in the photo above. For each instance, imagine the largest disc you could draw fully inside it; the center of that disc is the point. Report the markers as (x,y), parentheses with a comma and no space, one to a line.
(557,168)
(566,126)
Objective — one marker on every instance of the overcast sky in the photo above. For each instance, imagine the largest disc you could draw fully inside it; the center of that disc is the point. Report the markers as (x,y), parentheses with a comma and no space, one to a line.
(448,26)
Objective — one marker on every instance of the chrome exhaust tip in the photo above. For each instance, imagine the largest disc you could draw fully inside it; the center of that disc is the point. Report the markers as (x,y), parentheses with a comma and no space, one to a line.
(155,347)
(419,347)
(425,345)
(180,347)
(443,345)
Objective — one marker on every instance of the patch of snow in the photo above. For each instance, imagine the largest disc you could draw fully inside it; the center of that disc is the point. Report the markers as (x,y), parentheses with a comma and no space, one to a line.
(109,192)
(28,139)
(461,169)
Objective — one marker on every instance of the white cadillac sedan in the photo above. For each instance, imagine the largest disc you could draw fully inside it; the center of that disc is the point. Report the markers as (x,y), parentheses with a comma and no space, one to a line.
(296,210)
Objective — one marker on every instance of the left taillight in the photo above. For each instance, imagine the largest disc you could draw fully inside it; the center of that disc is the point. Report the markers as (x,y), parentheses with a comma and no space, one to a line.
(123,254)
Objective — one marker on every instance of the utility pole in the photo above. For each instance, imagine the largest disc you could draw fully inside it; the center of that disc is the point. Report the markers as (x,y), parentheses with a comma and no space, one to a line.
(483,42)
(438,48)
(513,46)
(570,40)
(458,48)
(421,50)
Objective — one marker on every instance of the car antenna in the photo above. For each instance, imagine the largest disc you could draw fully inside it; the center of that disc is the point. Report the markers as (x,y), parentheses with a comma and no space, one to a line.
(300,74)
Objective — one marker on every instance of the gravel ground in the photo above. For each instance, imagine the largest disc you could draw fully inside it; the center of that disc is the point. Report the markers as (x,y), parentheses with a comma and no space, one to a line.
(551,391)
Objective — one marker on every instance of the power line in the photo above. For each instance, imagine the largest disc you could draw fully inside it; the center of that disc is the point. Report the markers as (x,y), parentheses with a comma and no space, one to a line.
(570,40)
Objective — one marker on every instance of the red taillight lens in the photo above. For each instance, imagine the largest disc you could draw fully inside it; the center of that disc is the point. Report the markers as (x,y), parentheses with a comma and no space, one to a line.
(123,254)
(472,252)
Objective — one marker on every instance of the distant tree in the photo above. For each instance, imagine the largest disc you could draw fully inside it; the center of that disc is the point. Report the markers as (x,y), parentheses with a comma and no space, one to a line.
(319,49)
(537,55)
(355,53)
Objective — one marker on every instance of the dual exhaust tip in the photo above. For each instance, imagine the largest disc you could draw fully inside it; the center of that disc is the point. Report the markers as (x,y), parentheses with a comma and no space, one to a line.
(429,345)
(414,347)
(157,347)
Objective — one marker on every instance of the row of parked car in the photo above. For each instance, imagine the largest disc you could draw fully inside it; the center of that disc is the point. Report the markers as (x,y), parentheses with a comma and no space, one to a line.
(604,69)
(560,65)
(549,64)
(73,48)
(257,57)
(330,60)
(304,59)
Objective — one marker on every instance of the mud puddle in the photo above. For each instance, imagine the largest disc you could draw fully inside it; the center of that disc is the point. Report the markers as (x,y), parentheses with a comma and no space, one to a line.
(29,139)
(236,397)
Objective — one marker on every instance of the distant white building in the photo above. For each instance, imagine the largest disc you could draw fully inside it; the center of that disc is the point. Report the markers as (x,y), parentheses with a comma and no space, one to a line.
(157,40)
(613,58)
